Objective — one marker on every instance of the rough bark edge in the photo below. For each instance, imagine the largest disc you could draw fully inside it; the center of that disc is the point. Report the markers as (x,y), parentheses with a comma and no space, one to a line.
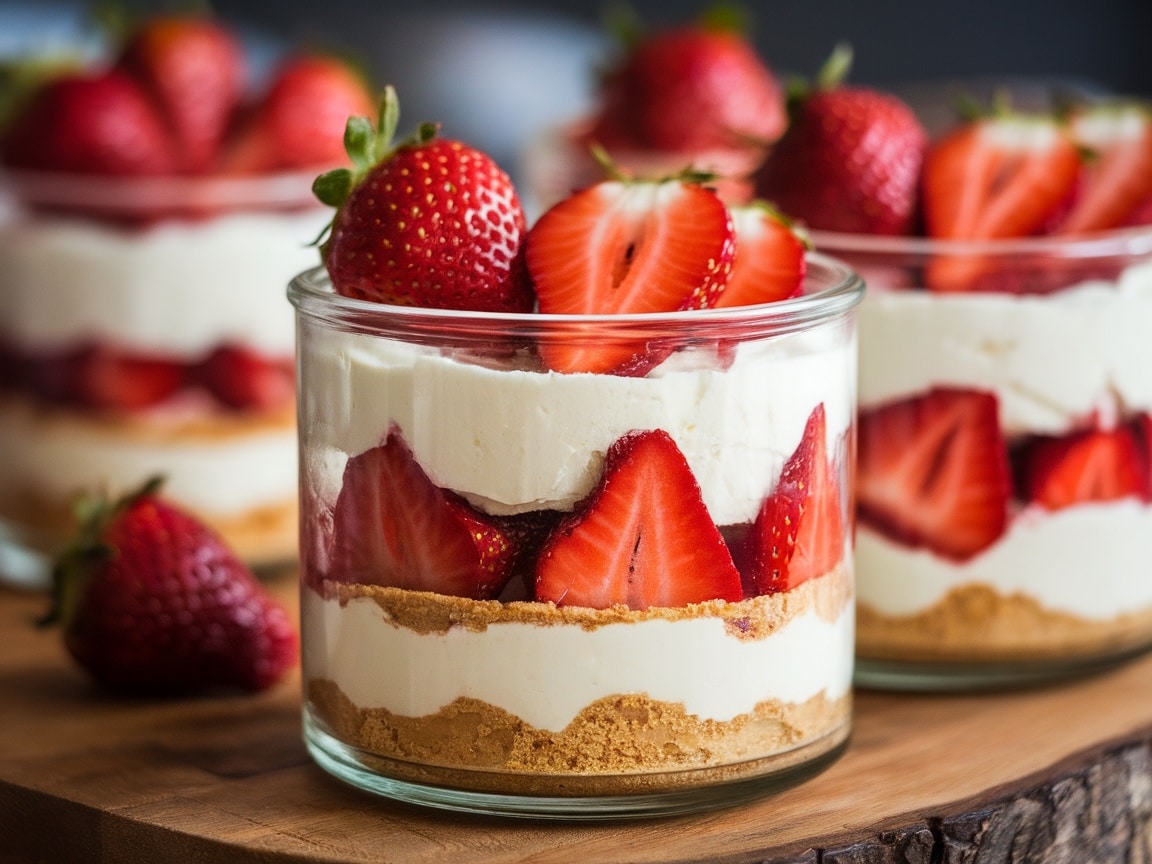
(1093,808)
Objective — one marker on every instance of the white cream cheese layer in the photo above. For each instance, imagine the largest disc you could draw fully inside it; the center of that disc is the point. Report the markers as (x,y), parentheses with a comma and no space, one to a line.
(547,674)
(512,440)
(1090,561)
(225,476)
(179,288)
(1051,359)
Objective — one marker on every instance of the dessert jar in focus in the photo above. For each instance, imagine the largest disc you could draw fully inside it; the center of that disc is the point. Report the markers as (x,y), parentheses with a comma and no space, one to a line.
(143,332)
(1005,484)
(424,433)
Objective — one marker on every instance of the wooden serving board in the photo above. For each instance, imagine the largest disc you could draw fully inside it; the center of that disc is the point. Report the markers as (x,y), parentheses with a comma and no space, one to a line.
(1061,774)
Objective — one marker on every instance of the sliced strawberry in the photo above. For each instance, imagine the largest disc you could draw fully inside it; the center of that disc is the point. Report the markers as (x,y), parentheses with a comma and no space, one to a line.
(1118,175)
(799,532)
(933,471)
(643,538)
(623,247)
(392,526)
(995,178)
(1088,465)
(116,381)
(770,263)
(243,379)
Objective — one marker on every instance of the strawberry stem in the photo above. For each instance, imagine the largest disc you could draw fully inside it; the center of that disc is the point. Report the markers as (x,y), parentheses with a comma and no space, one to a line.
(88,549)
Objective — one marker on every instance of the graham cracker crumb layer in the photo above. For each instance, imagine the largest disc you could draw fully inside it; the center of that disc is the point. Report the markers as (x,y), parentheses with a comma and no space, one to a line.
(754,618)
(620,744)
(617,745)
(977,624)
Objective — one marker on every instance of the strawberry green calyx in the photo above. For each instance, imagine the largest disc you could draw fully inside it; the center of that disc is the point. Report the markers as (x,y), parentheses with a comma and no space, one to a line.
(612,171)
(88,549)
(367,146)
(831,75)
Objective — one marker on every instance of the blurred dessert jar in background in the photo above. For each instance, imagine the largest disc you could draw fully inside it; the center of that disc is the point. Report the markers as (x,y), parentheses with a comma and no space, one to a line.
(1004,492)
(156,202)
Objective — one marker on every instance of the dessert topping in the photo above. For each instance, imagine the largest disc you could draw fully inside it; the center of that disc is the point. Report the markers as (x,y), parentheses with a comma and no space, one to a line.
(426,222)
(626,246)
(770,258)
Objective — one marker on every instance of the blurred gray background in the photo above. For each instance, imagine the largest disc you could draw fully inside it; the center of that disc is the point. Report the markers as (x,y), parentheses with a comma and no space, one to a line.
(495,74)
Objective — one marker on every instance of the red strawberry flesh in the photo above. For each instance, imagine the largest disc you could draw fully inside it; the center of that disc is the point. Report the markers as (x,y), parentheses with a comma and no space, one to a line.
(642,539)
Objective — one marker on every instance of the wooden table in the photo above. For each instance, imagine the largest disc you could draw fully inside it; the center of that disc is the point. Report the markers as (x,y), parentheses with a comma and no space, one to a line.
(1060,774)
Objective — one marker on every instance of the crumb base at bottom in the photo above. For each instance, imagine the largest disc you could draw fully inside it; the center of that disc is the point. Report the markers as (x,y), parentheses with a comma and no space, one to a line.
(977,638)
(568,798)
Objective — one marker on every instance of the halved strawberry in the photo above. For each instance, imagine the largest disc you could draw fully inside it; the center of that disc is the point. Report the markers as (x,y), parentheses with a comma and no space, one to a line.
(393,526)
(769,263)
(623,247)
(799,532)
(116,381)
(243,379)
(642,538)
(997,177)
(1087,465)
(1118,172)
(933,471)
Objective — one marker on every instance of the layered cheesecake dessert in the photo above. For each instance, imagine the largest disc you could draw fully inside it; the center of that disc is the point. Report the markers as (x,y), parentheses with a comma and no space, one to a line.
(695,96)
(1004,465)
(557,559)
(1004,487)
(150,223)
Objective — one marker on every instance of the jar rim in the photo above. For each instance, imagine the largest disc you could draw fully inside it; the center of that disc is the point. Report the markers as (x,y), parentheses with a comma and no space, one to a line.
(841,289)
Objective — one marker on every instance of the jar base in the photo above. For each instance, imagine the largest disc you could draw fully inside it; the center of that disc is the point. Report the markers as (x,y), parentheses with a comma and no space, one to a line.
(960,677)
(369,772)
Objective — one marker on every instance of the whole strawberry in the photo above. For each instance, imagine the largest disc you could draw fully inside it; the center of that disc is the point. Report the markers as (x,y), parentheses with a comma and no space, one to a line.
(299,121)
(850,160)
(89,123)
(153,602)
(193,68)
(692,88)
(428,222)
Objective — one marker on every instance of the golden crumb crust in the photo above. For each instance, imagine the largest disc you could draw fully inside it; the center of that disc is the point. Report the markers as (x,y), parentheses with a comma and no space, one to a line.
(975,623)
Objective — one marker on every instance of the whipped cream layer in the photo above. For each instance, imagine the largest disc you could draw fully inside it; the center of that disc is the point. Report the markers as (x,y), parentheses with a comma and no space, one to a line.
(546,675)
(1090,561)
(60,454)
(1051,359)
(178,288)
(512,441)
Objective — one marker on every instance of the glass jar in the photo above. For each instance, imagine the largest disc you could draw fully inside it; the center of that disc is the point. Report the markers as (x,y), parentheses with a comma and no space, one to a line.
(1005,393)
(514,698)
(144,331)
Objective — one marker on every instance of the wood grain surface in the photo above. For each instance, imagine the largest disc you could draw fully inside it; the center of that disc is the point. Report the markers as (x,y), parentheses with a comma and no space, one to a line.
(1061,773)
